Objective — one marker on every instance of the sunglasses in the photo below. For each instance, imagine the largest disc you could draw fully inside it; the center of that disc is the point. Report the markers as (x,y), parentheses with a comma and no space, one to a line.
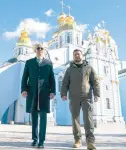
(39,48)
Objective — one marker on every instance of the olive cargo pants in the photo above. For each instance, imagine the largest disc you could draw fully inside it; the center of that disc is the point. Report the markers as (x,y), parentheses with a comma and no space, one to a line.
(87,109)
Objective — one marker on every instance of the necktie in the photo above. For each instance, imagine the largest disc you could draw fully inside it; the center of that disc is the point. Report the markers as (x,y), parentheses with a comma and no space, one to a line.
(39,61)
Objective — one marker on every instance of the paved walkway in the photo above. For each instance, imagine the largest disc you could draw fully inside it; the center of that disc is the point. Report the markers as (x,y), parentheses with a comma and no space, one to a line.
(13,137)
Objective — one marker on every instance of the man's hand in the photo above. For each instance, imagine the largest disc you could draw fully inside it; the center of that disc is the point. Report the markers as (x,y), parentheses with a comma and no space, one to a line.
(51,95)
(96,98)
(64,98)
(24,94)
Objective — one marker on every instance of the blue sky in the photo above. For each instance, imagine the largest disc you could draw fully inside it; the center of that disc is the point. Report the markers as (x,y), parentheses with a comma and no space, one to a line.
(14,12)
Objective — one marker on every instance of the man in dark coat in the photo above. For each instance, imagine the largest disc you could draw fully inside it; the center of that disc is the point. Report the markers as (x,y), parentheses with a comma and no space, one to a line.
(38,87)
(80,79)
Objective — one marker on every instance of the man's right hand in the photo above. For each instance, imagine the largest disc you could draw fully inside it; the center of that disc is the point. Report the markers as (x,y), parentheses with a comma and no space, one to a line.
(24,94)
(96,98)
(64,98)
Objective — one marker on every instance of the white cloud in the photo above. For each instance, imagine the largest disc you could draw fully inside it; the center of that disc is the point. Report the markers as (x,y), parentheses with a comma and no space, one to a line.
(49,12)
(33,27)
(83,27)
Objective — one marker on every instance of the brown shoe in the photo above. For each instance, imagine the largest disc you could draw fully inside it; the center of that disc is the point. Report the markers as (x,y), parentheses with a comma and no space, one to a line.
(91,146)
(77,144)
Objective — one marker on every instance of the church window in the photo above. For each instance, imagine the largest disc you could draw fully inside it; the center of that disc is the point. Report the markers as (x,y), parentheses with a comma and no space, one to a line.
(105,69)
(106,87)
(77,40)
(61,41)
(19,51)
(56,45)
(59,83)
(69,40)
(110,51)
(107,103)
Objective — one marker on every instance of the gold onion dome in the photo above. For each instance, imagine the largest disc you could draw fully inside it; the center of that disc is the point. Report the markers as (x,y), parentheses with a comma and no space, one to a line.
(61,19)
(69,19)
(24,39)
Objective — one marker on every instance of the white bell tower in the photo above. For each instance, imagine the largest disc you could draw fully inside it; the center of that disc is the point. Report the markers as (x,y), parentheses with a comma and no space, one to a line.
(24,48)
(67,38)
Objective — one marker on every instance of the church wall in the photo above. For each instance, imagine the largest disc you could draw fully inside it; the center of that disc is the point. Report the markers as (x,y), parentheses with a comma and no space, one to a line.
(21,116)
(58,56)
(9,87)
(94,62)
(107,88)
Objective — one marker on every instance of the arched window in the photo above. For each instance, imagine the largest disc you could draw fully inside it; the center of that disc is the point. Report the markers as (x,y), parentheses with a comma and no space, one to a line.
(69,38)
(56,45)
(108,103)
(106,70)
(19,51)
(77,40)
(106,87)
(61,42)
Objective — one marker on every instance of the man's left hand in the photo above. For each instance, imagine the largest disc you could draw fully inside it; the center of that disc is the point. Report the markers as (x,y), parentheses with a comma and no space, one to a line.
(96,98)
(51,95)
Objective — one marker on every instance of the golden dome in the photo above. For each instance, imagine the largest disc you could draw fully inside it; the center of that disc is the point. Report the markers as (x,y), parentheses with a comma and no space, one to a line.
(61,19)
(69,20)
(24,39)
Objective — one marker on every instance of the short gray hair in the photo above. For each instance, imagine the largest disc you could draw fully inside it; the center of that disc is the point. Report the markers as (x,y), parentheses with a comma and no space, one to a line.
(38,45)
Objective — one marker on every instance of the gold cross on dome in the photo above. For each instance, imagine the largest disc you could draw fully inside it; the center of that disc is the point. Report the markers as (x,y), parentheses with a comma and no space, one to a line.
(69,8)
(62,4)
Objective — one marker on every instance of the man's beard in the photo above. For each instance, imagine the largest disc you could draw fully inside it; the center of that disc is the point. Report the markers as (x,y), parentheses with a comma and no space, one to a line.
(78,61)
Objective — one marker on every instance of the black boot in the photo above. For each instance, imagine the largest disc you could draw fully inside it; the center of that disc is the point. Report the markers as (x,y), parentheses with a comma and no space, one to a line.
(34,143)
(41,145)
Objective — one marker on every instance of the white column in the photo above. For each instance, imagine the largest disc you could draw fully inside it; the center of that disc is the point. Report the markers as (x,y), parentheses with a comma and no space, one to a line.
(119,103)
(116,97)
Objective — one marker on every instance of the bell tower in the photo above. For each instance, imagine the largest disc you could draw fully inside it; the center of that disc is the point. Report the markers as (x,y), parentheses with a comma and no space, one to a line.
(24,48)
(68,35)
